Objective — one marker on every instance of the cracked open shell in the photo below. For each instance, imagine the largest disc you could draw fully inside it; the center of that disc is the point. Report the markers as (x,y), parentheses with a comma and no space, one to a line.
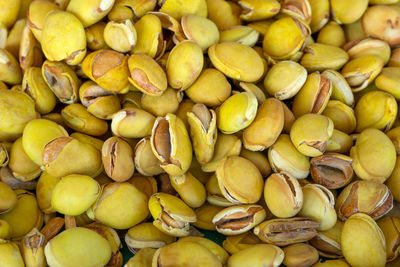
(171,215)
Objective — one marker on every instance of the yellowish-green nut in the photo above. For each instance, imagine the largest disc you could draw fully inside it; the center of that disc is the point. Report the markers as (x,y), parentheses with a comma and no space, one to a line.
(214,194)
(36,87)
(8,198)
(282,232)
(146,184)
(203,131)
(393,181)
(236,190)
(149,35)
(78,118)
(217,250)
(131,99)
(146,235)
(205,214)
(340,142)
(257,255)
(289,118)
(66,155)
(186,253)
(310,134)
(368,46)
(185,62)
(30,53)
(389,226)
(226,145)
(74,194)
(319,57)
(236,243)
(259,159)
(344,12)
(368,197)
(44,190)
(99,102)
(177,9)
(254,89)
(319,205)
(224,14)
(84,138)
(285,79)
(117,157)
(132,123)
(376,109)
(10,254)
(201,30)
(389,81)
(361,231)
(362,71)
(374,155)
(340,88)
(238,219)
(244,35)
(161,105)
(112,76)
(107,208)
(261,27)
(21,166)
(171,144)
(313,97)
(62,80)
(78,246)
(332,170)
(94,36)
(284,157)
(120,36)
(15,102)
(300,255)
(190,189)
(237,61)
(341,115)
(4,229)
(37,134)
(283,195)
(9,12)
(131,9)
(237,112)
(24,216)
(380,22)
(113,240)
(394,135)
(171,215)
(285,37)
(266,127)
(253,10)
(36,15)
(211,88)
(10,71)
(147,75)
(14,37)
(63,43)
(320,11)
(91,11)
(354,31)
(300,9)
(332,34)
(146,162)
(143,257)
